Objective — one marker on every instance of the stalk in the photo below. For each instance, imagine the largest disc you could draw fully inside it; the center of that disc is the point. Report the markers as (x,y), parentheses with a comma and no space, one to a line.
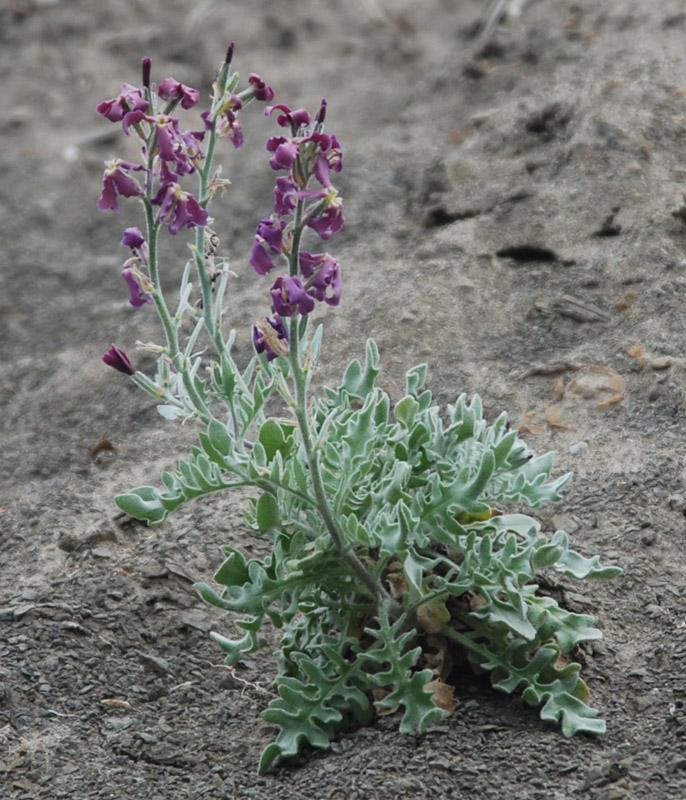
(300,410)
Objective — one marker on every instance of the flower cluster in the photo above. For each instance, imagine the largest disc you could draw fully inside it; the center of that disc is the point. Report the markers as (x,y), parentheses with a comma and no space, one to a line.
(169,154)
(303,198)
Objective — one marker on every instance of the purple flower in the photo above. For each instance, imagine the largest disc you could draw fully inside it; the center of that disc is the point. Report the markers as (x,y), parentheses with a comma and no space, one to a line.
(268,241)
(271,230)
(300,118)
(290,297)
(133,118)
(323,277)
(130,99)
(227,121)
(328,158)
(285,196)
(260,260)
(329,222)
(133,238)
(270,336)
(173,146)
(260,89)
(116,181)
(139,295)
(171,89)
(118,359)
(285,152)
(179,208)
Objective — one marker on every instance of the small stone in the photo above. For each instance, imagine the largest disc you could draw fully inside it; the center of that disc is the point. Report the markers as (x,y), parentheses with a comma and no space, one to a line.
(120,723)
(643,702)
(154,664)
(578,448)
(565,522)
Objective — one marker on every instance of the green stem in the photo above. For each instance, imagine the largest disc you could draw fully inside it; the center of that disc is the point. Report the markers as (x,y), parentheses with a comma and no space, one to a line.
(300,410)
(169,323)
(465,641)
(204,198)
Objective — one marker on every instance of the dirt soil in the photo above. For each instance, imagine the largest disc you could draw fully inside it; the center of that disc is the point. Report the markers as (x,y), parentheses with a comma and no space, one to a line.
(514,218)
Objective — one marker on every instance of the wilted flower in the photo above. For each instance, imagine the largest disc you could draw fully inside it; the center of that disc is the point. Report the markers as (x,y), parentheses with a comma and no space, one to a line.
(117,181)
(227,121)
(270,336)
(268,241)
(285,152)
(322,275)
(179,208)
(117,359)
(285,196)
(290,297)
(136,281)
(297,119)
(130,99)
(134,239)
(330,221)
(171,89)
(260,89)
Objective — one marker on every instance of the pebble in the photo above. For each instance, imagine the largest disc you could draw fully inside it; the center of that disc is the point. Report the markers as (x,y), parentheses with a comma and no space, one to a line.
(578,448)
(120,723)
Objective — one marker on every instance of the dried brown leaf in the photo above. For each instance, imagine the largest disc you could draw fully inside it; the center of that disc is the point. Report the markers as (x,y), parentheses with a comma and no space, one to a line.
(553,415)
(433,616)
(627,300)
(382,711)
(615,400)
(443,694)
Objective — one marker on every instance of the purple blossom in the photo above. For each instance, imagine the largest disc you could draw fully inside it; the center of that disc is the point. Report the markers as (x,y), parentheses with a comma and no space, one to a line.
(179,208)
(134,239)
(118,360)
(173,147)
(227,122)
(285,196)
(133,118)
(116,181)
(171,89)
(290,297)
(167,174)
(130,99)
(139,295)
(300,118)
(260,260)
(327,159)
(270,336)
(323,277)
(268,242)
(260,89)
(329,222)
(285,152)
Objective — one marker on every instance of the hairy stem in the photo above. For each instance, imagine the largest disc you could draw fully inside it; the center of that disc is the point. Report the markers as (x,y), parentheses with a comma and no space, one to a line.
(300,410)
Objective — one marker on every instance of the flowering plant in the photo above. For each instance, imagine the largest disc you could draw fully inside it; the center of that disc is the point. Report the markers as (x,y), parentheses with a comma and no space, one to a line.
(398,554)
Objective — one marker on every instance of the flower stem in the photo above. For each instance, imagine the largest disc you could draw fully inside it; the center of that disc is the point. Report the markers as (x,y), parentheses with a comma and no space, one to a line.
(359,570)
(213,330)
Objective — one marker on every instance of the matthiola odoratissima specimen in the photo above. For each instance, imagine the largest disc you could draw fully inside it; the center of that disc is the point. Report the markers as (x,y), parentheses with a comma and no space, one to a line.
(395,528)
